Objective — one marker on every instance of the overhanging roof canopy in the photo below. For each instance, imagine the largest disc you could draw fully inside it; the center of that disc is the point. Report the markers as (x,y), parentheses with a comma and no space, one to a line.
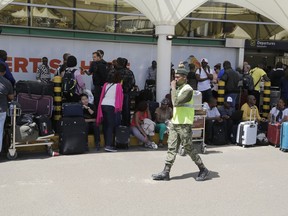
(166,12)
(170,12)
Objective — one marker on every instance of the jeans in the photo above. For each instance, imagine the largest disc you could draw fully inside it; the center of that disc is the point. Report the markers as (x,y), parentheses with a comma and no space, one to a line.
(110,122)
(2,121)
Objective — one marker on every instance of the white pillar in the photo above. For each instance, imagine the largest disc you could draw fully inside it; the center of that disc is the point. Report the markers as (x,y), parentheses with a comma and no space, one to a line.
(164,49)
(241,52)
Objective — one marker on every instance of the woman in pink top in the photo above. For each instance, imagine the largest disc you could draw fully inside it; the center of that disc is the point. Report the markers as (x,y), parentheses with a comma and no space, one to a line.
(109,109)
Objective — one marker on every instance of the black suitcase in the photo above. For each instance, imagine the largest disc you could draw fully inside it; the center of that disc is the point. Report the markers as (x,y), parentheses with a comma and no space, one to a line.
(122,137)
(35,87)
(72,110)
(72,137)
(44,125)
(219,133)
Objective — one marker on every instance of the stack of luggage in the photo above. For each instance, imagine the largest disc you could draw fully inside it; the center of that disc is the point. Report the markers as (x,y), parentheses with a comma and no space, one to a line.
(36,102)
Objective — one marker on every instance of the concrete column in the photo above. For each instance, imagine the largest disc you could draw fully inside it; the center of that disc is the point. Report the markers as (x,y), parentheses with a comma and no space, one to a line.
(241,52)
(164,50)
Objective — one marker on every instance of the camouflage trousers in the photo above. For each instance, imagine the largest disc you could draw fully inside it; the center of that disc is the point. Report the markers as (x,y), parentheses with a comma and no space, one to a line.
(181,134)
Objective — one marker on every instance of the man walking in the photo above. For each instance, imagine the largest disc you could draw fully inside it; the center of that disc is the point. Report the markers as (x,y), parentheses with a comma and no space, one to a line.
(180,131)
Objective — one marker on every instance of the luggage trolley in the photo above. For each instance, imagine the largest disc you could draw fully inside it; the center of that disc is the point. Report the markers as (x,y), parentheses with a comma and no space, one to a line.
(13,112)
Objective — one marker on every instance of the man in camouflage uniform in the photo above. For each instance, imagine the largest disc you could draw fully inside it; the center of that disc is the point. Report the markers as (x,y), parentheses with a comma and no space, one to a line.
(180,131)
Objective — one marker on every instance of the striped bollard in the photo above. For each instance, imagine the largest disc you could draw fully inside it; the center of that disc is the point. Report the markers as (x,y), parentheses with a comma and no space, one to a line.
(57,97)
(266,99)
(221,93)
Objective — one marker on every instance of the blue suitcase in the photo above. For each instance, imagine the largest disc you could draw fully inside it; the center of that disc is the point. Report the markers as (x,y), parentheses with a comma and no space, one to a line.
(72,110)
(284,137)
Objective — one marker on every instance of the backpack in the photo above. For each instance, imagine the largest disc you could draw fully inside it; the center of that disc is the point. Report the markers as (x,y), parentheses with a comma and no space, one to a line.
(248,82)
(69,83)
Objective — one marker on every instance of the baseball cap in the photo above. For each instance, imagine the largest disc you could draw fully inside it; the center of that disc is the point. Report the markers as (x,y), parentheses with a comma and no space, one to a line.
(229,99)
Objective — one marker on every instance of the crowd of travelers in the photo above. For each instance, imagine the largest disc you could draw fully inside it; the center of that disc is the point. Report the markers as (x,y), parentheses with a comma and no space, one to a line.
(113,83)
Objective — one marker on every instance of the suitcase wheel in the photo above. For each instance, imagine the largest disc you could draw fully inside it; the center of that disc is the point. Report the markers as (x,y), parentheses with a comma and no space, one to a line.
(10,156)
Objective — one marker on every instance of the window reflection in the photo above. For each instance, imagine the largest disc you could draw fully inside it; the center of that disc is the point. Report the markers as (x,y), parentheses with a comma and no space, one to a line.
(207,21)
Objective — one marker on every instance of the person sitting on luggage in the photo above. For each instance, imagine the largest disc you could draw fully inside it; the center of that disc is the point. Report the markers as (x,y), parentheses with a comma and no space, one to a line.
(142,112)
(279,113)
(250,109)
(212,115)
(163,113)
(109,109)
(90,116)
(226,112)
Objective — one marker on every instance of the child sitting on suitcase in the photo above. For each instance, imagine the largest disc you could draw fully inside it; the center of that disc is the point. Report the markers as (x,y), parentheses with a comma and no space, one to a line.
(90,119)
(279,113)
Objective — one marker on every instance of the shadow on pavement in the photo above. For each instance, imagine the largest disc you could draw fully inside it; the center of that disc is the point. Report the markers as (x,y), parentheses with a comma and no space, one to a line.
(195,174)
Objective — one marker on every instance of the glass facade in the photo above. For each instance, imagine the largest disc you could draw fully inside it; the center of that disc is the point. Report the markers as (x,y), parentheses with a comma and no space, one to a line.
(211,20)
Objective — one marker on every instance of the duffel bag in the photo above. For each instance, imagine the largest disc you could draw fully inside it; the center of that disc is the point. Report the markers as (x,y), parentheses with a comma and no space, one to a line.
(27,132)
(35,87)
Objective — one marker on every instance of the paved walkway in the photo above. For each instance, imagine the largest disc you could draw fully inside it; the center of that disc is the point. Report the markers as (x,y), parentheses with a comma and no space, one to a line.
(244,182)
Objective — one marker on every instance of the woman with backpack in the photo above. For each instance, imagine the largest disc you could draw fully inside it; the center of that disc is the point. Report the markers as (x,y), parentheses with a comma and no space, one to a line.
(72,83)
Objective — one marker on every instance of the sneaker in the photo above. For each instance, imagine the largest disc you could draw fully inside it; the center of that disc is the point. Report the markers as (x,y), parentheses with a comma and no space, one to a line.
(203,174)
(148,145)
(154,145)
(110,149)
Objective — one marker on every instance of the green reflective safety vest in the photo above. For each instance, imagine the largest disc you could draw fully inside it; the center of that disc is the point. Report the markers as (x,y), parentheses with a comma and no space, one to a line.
(183,113)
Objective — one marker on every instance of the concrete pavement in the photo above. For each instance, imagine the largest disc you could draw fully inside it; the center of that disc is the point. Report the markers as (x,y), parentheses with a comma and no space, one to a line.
(243,181)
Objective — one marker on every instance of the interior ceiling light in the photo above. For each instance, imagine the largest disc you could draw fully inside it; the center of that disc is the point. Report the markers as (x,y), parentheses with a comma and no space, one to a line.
(169,37)
(4,3)
(221,10)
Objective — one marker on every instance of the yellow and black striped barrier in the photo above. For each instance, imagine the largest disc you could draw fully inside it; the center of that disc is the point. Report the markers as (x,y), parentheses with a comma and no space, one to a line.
(266,99)
(221,93)
(57,97)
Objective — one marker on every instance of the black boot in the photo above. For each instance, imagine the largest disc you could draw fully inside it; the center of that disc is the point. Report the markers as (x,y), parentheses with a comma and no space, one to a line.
(204,172)
(164,175)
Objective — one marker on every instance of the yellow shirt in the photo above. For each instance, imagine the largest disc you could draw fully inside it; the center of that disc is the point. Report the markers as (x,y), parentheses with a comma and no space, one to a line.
(246,112)
(257,74)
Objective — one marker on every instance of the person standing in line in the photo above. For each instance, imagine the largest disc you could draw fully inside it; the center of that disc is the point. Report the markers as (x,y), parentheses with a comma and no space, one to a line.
(204,77)
(61,69)
(180,131)
(284,86)
(8,75)
(217,69)
(109,109)
(152,71)
(231,79)
(6,93)
(258,74)
(43,73)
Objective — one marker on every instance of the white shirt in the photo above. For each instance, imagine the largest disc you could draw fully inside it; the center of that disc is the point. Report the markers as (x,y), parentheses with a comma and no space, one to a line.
(110,96)
(274,111)
(204,85)
(210,113)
